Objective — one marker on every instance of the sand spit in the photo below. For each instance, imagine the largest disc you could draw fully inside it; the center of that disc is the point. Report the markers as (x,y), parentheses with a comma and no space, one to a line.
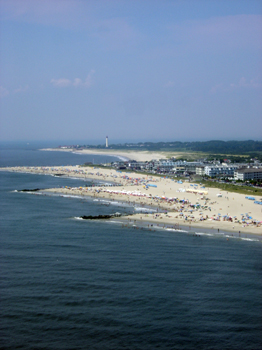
(140,156)
(184,203)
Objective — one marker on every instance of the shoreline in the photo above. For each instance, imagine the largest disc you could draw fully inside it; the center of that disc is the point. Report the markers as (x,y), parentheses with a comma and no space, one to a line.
(183,228)
(149,220)
(122,155)
(185,205)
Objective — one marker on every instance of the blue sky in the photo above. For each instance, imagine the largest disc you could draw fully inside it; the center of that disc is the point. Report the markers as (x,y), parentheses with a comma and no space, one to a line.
(135,70)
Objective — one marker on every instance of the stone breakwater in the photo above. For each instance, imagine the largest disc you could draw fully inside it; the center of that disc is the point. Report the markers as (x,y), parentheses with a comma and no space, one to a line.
(99,217)
(184,202)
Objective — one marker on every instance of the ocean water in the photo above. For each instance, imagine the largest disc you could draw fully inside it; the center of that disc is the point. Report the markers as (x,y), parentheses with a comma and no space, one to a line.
(79,284)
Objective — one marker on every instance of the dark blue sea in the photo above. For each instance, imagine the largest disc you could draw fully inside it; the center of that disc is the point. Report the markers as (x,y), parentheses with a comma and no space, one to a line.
(80,284)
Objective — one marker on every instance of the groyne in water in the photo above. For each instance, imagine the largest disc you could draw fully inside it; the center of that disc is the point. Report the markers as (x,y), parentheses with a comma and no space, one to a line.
(106,216)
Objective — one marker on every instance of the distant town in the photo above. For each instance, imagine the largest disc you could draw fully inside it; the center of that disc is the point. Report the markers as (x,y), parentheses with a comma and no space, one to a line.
(231,161)
(224,170)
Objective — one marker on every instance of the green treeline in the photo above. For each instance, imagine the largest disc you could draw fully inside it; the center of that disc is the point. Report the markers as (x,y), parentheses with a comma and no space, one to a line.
(250,147)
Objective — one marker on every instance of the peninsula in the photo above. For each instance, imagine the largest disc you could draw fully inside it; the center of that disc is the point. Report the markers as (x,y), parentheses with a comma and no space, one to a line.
(140,156)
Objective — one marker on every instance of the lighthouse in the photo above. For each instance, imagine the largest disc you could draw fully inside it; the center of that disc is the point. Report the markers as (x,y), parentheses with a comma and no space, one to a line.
(107,142)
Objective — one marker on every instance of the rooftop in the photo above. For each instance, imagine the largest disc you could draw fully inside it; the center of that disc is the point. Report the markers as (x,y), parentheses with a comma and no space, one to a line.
(250,170)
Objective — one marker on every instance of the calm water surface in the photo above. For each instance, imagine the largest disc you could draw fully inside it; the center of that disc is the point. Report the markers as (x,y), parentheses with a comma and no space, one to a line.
(76,284)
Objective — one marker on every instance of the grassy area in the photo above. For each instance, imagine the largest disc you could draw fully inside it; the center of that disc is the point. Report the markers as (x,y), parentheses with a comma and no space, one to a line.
(191,156)
(234,188)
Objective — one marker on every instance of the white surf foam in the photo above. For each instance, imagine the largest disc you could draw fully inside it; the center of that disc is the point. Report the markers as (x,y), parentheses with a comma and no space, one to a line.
(144,209)
(203,234)
(116,222)
(175,230)
(250,239)
(70,196)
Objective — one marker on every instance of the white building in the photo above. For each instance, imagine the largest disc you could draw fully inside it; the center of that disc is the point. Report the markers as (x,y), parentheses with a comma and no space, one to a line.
(248,174)
(220,170)
(200,170)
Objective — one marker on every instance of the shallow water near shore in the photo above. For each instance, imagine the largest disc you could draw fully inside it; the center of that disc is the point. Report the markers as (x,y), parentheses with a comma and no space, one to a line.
(80,284)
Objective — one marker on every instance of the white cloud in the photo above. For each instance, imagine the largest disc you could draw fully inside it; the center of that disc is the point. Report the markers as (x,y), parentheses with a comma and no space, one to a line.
(61,82)
(3,92)
(76,82)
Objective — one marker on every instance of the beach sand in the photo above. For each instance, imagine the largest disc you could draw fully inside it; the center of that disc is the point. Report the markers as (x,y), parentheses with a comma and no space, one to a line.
(140,156)
(183,207)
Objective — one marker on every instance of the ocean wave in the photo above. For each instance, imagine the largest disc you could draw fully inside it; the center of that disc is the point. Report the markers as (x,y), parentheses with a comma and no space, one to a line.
(228,236)
(250,239)
(115,222)
(144,209)
(204,234)
(71,196)
(29,192)
(103,201)
(120,204)
(175,230)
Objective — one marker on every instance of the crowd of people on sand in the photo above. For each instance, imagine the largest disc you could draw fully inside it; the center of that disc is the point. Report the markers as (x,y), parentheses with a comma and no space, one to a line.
(150,191)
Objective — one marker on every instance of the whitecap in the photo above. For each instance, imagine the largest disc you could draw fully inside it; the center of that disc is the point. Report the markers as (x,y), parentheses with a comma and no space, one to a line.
(120,204)
(144,209)
(228,236)
(203,234)
(250,239)
(116,222)
(71,196)
(175,230)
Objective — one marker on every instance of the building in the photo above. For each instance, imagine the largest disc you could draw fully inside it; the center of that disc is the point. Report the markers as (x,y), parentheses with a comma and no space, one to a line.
(191,167)
(107,142)
(133,164)
(200,170)
(248,174)
(220,170)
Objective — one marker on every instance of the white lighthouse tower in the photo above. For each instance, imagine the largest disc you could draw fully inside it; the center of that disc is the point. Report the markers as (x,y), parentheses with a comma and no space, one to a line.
(107,142)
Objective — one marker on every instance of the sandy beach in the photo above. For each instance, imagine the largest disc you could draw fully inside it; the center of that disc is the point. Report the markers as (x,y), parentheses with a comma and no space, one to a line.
(140,156)
(184,203)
